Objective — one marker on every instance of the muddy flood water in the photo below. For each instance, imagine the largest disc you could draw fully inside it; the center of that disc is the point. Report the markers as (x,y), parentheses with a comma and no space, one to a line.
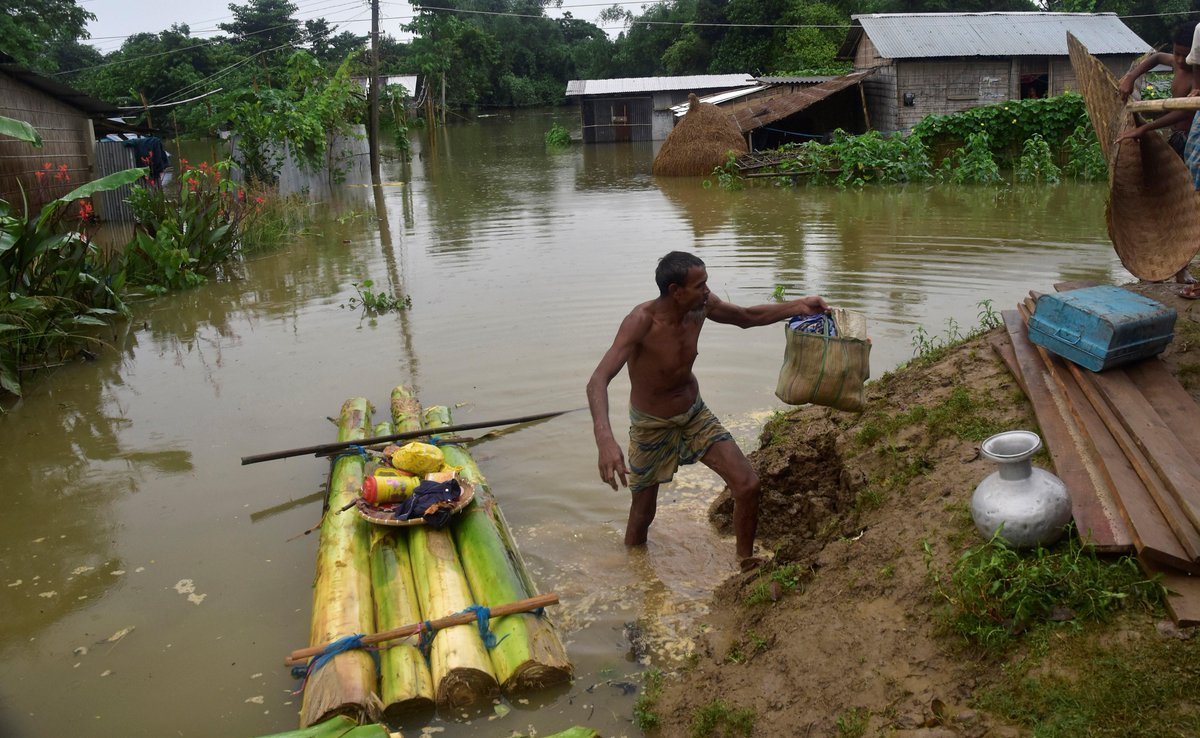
(150,585)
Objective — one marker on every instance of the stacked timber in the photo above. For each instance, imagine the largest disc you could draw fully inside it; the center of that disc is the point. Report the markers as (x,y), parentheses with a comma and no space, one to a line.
(342,591)
(1125,443)
(528,654)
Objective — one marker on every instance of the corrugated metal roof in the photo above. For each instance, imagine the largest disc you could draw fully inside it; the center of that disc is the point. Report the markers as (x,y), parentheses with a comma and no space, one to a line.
(628,85)
(759,113)
(931,35)
(682,108)
(794,80)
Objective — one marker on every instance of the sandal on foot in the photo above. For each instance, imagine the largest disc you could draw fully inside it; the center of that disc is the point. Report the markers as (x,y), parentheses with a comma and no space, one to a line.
(1190,292)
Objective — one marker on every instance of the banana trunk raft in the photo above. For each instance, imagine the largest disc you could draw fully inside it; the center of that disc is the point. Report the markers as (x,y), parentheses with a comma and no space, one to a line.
(383,643)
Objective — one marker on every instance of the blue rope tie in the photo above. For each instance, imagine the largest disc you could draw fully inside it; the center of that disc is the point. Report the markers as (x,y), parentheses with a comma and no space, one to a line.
(342,645)
(482,615)
(353,450)
(425,637)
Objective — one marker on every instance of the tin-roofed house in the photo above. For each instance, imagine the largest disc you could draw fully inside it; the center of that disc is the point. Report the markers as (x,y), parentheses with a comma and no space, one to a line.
(639,108)
(947,62)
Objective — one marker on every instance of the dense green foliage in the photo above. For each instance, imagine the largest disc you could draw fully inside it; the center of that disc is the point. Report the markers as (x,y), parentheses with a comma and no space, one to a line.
(55,284)
(498,53)
(995,593)
(1058,141)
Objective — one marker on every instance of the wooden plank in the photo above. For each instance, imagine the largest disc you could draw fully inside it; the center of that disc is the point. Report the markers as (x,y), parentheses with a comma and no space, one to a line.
(1074,284)
(1098,517)
(1170,400)
(1174,463)
(1003,348)
(1147,516)
(1183,598)
(1052,413)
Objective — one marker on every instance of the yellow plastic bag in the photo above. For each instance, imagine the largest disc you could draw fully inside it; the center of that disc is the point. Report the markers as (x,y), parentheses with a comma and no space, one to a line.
(419,458)
(825,369)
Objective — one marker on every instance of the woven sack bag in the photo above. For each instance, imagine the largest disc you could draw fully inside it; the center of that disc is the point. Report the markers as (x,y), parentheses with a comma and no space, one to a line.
(824,369)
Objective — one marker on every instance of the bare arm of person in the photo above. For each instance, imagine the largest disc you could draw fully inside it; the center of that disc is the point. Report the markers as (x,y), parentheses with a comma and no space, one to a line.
(633,329)
(749,317)
(1161,121)
(1148,62)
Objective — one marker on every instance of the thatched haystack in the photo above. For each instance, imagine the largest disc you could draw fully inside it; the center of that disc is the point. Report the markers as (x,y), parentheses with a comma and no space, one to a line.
(699,143)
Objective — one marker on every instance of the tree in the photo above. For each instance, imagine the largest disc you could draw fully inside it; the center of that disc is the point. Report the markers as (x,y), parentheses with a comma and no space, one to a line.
(264,28)
(27,27)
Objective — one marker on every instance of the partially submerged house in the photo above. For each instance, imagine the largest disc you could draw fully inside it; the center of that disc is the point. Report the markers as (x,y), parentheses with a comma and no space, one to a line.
(69,122)
(639,108)
(797,110)
(943,63)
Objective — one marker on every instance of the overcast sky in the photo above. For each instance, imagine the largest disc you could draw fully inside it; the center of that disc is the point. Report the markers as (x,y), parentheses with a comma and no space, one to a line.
(118,19)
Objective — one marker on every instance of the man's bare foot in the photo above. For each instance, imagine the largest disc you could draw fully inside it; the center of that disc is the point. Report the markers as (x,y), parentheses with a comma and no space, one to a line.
(1184,276)
(750,563)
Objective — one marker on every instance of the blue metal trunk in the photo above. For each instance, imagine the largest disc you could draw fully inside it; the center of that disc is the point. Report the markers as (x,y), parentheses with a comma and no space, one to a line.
(1101,327)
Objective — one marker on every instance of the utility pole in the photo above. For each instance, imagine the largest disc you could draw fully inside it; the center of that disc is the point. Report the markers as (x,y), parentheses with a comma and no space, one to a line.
(373,95)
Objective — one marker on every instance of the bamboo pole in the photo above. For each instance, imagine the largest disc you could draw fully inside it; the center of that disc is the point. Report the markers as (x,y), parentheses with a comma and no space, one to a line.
(405,684)
(342,591)
(529,654)
(1163,105)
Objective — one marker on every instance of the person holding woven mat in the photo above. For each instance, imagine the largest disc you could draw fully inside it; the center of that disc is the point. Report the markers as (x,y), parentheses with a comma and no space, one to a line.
(669,422)
(1185,135)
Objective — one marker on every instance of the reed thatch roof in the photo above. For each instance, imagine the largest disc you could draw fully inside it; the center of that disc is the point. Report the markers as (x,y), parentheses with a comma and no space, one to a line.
(700,142)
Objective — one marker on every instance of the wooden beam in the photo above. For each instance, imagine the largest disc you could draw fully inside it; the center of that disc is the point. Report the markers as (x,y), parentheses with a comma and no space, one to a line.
(1053,415)
(1097,516)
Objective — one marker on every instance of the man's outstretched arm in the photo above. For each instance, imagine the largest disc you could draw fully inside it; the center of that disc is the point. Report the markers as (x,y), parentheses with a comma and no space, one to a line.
(756,315)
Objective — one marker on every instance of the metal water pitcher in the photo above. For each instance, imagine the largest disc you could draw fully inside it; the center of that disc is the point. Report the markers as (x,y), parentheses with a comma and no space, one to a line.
(1028,505)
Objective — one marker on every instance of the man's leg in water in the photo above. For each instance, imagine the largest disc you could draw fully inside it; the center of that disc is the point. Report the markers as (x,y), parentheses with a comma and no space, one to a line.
(641,514)
(727,460)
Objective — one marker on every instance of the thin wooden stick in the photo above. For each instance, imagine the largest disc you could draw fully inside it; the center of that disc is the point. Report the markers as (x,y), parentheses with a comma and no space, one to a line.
(1163,105)
(299,656)
(327,448)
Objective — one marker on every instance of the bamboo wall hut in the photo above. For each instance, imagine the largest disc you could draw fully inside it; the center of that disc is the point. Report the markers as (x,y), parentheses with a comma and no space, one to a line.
(639,108)
(948,62)
(68,121)
(700,142)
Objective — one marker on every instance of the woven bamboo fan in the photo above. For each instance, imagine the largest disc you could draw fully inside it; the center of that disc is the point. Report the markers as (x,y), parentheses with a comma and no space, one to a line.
(1153,211)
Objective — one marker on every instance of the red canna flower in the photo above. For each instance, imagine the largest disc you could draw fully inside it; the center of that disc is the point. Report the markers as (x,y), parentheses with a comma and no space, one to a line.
(47,166)
(40,175)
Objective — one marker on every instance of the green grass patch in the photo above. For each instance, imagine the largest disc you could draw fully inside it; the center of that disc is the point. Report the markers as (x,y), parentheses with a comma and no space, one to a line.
(647,701)
(853,723)
(1142,686)
(994,593)
(787,577)
(717,718)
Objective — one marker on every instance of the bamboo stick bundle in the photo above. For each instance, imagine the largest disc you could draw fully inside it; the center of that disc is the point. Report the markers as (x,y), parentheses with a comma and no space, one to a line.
(529,653)
(345,685)
(405,684)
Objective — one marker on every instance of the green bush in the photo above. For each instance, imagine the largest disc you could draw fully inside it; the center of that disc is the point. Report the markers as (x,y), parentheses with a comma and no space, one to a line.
(1036,163)
(55,285)
(1008,125)
(186,229)
(974,163)
(558,136)
(994,593)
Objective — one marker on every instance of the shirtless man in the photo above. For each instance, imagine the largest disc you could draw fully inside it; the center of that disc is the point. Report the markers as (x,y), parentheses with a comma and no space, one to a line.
(1185,79)
(669,423)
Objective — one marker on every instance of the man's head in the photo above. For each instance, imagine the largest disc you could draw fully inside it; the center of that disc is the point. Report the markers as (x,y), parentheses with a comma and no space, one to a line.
(1181,38)
(673,269)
